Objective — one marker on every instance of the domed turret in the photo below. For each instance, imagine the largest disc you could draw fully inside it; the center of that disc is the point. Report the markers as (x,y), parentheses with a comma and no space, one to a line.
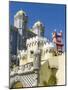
(38,28)
(20,18)
(20,13)
(20,22)
(37,24)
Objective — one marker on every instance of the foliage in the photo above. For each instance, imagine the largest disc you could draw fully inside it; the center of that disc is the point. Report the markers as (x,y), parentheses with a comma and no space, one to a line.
(11,28)
(52,80)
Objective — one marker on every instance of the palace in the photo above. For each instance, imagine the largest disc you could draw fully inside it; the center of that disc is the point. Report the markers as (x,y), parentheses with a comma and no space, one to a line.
(36,57)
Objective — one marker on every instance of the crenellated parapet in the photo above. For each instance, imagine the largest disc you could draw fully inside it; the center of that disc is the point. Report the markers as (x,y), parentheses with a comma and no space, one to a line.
(22,53)
(31,41)
(38,28)
(35,41)
(22,69)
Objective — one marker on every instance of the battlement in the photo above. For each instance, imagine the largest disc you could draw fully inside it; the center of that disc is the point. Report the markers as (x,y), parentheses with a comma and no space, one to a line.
(22,52)
(49,45)
(35,40)
(22,69)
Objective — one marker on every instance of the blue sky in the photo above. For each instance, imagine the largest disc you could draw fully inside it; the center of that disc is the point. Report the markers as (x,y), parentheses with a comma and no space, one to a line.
(51,15)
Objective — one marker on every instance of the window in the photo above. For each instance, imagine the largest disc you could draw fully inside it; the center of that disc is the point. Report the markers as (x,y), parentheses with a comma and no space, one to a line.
(29,66)
(31,54)
(46,50)
(32,43)
(36,43)
(50,51)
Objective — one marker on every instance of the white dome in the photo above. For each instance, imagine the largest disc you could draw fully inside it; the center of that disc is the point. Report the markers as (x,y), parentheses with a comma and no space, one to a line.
(38,23)
(21,12)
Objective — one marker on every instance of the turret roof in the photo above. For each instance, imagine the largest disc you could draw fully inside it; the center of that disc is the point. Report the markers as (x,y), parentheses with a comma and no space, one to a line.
(20,12)
(38,23)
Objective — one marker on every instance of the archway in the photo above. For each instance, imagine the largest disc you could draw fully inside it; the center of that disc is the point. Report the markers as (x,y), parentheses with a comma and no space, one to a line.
(17,84)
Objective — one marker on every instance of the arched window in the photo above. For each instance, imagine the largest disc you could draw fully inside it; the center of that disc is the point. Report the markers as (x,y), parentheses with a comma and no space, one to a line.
(29,66)
(31,54)
(36,43)
(50,51)
(46,50)
(32,43)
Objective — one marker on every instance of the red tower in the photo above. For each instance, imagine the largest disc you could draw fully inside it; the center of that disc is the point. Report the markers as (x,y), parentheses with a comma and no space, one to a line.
(57,39)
